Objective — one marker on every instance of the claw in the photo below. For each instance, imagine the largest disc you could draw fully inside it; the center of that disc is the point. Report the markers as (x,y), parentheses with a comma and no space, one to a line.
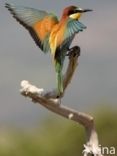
(75,51)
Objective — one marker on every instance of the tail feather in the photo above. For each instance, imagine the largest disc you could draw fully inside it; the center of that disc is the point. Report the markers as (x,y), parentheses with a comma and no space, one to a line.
(59,76)
(59,83)
(59,60)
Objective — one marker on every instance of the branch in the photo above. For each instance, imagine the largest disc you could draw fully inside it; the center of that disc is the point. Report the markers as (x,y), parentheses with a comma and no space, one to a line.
(49,101)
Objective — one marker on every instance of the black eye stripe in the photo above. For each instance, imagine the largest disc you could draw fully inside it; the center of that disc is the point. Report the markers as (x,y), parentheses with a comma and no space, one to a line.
(72,12)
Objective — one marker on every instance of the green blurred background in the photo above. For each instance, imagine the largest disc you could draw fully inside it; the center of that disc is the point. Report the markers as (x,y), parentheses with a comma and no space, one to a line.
(56,136)
(27,129)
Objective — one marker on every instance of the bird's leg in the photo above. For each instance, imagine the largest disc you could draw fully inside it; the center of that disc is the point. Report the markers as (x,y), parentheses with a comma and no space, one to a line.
(74,50)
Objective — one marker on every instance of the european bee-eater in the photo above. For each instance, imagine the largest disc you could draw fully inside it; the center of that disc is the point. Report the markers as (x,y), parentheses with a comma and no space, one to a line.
(49,33)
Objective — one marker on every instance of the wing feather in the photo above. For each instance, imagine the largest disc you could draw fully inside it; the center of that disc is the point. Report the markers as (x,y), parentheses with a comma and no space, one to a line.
(28,17)
(72,27)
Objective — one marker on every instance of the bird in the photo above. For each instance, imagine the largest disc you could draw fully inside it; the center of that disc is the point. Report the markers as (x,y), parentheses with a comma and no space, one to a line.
(50,33)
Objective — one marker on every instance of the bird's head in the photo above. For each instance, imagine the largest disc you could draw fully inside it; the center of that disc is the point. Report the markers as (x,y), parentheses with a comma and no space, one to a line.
(74,12)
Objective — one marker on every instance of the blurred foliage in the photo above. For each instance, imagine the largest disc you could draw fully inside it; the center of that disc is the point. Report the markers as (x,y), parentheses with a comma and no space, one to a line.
(57,136)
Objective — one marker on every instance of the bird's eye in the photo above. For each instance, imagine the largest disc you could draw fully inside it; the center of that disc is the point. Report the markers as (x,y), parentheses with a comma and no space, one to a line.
(72,12)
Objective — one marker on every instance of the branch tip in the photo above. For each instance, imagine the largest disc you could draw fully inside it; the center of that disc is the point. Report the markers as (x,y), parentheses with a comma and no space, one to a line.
(26,88)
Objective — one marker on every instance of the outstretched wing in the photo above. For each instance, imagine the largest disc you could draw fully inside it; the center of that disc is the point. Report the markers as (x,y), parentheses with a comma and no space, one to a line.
(38,23)
(73,27)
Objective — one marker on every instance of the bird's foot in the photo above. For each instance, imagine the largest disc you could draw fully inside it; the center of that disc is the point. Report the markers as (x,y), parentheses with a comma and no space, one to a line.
(75,51)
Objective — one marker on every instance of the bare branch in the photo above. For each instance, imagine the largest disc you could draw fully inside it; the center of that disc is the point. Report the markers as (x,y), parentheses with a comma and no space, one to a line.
(53,105)
(73,63)
(49,101)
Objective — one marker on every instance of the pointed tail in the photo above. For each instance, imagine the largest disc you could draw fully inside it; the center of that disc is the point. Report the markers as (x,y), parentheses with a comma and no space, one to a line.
(59,77)
(59,82)
(59,60)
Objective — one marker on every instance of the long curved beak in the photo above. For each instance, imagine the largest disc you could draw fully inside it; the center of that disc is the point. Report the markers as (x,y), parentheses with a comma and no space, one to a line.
(84,10)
